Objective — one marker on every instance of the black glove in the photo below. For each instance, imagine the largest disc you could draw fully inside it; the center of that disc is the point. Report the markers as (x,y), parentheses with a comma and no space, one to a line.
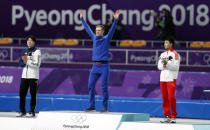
(170,58)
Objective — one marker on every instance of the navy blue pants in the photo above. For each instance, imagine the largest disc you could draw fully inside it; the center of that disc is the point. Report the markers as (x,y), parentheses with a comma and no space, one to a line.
(99,70)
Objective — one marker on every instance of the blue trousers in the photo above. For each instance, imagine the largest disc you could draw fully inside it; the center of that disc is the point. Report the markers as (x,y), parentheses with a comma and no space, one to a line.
(99,70)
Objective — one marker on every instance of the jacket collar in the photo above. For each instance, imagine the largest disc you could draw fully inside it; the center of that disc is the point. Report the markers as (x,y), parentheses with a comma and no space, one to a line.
(32,49)
(171,50)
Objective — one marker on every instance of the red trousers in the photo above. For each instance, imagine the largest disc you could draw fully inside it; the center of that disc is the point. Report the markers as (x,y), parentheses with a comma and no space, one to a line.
(169,99)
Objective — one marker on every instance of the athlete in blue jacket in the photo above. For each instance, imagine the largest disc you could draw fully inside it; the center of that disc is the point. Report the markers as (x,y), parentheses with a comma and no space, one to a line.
(100,58)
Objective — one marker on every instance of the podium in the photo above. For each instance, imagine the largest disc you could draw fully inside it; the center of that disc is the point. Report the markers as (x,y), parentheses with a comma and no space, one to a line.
(76,120)
(64,120)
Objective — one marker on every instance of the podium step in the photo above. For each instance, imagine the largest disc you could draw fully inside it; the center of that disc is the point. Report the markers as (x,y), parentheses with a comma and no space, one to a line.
(85,120)
(75,120)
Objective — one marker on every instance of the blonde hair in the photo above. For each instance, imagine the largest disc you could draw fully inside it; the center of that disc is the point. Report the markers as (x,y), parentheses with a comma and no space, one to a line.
(101,26)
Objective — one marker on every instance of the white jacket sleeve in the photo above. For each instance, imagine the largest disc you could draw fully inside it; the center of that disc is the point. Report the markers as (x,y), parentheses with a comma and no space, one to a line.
(160,64)
(173,64)
(35,60)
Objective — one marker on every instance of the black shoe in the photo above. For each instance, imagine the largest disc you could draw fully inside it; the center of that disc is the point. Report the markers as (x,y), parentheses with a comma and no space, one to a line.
(31,114)
(166,120)
(104,110)
(21,114)
(89,109)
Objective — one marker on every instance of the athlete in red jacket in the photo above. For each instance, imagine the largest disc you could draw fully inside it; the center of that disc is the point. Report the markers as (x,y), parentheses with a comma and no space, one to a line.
(168,63)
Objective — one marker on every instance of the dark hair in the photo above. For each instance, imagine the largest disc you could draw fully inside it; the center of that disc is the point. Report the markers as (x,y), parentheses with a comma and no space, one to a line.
(170,39)
(32,37)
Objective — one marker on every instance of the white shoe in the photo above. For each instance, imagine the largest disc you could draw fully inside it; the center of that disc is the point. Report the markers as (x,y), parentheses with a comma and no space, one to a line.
(166,120)
(173,120)
(31,114)
(21,114)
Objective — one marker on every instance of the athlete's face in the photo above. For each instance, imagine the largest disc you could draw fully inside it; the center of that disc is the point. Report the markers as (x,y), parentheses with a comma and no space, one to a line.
(99,31)
(30,43)
(167,45)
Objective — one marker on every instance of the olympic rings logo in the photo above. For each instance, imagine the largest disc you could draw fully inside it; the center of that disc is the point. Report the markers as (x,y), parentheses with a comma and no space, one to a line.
(206,58)
(78,119)
(3,54)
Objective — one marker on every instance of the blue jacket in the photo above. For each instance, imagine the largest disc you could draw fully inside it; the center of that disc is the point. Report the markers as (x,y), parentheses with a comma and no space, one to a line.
(100,44)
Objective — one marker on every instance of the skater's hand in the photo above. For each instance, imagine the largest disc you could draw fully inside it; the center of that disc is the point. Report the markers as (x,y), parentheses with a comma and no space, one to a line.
(81,14)
(164,63)
(116,14)
(24,58)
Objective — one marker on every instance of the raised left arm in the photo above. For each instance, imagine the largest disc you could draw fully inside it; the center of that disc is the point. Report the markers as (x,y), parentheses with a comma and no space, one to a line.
(112,29)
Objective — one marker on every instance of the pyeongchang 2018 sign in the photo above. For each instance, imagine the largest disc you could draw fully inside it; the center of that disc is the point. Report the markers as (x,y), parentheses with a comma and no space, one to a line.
(59,17)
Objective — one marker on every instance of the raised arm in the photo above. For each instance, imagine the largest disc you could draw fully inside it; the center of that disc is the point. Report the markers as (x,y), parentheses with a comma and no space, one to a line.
(87,27)
(112,29)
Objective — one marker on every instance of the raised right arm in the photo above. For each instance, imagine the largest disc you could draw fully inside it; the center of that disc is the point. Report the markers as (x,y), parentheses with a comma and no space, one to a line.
(87,27)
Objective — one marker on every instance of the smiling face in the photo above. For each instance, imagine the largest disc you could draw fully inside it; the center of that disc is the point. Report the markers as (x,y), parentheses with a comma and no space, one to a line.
(30,43)
(99,30)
